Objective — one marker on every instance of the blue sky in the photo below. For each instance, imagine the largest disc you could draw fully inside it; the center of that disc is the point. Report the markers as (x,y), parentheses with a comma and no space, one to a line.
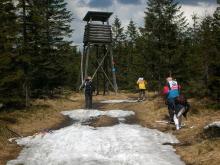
(127,10)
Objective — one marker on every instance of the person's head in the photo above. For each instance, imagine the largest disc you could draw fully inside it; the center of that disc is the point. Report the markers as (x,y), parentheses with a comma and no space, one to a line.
(88,78)
(169,79)
(140,79)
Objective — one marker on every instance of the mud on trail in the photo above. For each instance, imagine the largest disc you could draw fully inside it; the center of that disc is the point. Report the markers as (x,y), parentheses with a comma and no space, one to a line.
(193,148)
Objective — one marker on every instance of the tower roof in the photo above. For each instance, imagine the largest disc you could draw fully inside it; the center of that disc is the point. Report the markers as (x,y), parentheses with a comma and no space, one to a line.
(97,16)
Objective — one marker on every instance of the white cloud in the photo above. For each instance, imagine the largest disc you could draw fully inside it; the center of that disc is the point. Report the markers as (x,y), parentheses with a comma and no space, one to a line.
(128,12)
(202,10)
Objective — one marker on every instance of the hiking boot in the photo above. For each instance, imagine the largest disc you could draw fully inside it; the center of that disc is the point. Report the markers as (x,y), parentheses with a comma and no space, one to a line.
(178,127)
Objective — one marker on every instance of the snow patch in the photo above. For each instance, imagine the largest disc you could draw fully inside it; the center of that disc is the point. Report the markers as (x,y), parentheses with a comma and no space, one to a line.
(83,145)
(214,124)
(118,101)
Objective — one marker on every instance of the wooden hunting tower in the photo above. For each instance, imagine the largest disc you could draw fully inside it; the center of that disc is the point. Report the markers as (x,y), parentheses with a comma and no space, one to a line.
(98,46)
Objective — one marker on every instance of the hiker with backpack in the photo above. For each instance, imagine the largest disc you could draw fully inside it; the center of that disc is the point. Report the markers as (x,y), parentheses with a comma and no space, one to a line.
(141,87)
(177,104)
(171,91)
(88,88)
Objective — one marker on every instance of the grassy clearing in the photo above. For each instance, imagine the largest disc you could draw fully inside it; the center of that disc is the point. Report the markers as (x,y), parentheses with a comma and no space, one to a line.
(194,148)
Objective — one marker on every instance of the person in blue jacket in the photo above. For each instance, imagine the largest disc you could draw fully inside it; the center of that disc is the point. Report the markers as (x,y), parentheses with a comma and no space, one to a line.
(171,90)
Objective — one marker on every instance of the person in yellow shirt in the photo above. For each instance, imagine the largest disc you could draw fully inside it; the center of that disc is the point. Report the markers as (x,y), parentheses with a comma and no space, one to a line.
(142,87)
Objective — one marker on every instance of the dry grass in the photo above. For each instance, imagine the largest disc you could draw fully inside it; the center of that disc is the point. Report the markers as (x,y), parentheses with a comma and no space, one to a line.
(195,149)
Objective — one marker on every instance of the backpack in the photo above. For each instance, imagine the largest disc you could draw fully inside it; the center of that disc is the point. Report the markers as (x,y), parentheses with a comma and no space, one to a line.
(187,107)
(181,99)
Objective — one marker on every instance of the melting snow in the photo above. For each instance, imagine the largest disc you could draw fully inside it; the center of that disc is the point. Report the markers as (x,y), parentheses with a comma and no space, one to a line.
(118,101)
(214,124)
(78,144)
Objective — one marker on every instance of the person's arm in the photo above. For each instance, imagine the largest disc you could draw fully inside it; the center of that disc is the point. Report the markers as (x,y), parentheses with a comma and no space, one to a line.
(179,88)
(165,90)
(93,87)
(164,93)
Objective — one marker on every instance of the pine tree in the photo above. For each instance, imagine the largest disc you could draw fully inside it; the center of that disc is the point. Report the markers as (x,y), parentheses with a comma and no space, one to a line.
(118,32)
(44,49)
(164,24)
(28,42)
(10,72)
(132,32)
(195,29)
(206,51)
(46,28)
(118,51)
(203,60)
(132,35)
(214,81)
(36,55)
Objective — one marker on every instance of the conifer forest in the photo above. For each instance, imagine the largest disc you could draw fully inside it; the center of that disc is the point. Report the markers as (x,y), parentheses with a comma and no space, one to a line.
(38,58)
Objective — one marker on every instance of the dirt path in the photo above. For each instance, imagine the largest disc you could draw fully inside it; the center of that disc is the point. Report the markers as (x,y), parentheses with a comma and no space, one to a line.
(45,114)
(112,142)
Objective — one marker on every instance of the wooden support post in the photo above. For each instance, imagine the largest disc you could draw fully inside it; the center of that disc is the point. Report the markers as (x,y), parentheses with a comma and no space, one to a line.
(97,76)
(81,65)
(100,64)
(107,71)
(113,70)
(109,81)
(104,78)
(87,61)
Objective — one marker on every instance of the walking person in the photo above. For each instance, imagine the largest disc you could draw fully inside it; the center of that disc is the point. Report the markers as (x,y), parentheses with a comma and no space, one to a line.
(141,87)
(171,92)
(88,87)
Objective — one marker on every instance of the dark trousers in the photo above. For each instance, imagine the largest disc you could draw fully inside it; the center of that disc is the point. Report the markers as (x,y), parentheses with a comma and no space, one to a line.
(141,94)
(88,100)
(171,107)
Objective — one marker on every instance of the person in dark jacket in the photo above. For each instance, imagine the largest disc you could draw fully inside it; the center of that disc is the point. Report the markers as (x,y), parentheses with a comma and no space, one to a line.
(88,88)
